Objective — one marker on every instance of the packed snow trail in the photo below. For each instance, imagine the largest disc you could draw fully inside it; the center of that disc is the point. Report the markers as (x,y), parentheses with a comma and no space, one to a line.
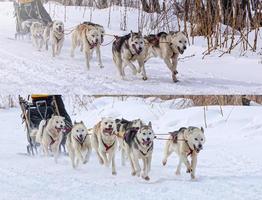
(228,168)
(25,70)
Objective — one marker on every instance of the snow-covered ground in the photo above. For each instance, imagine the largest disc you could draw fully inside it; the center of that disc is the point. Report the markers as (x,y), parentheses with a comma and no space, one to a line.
(25,70)
(229,167)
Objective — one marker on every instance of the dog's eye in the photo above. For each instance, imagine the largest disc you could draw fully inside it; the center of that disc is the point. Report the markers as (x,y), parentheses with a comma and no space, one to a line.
(196,139)
(150,133)
(105,123)
(144,133)
(83,130)
(180,41)
(76,130)
(136,42)
(57,122)
(201,139)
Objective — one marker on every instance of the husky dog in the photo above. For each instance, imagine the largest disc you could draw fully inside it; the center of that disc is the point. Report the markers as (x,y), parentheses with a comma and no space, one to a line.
(57,37)
(88,36)
(185,142)
(47,33)
(37,31)
(168,47)
(25,29)
(127,49)
(50,134)
(139,145)
(104,141)
(78,144)
(122,126)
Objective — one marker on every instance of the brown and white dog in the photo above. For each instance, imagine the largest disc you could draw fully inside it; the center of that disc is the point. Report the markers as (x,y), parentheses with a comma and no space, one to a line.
(167,46)
(78,144)
(185,142)
(89,37)
(50,134)
(104,142)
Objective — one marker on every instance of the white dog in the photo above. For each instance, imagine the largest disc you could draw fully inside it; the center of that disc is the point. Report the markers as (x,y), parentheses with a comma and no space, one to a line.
(168,47)
(104,141)
(139,145)
(185,142)
(57,37)
(50,134)
(37,30)
(78,144)
(89,37)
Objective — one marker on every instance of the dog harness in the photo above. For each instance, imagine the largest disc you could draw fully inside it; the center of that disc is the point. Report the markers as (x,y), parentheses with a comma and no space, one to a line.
(79,140)
(137,147)
(106,145)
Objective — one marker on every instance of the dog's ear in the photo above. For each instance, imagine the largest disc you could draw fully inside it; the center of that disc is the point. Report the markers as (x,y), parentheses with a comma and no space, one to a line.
(75,122)
(186,134)
(81,122)
(132,34)
(202,129)
(139,33)
(150,124)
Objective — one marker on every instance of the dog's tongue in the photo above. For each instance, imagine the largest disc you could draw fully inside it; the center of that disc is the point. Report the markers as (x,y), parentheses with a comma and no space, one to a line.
(108,130)
(145,142)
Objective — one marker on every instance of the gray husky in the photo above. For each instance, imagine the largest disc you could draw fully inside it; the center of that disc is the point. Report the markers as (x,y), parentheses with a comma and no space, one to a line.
(126,50)
(139,145)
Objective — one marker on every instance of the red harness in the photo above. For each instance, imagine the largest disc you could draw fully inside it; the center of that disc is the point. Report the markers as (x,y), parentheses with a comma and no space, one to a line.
(107,146)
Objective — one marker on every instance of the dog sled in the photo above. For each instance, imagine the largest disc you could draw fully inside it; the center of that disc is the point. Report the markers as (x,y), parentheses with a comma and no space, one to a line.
(26,12)
(42,107)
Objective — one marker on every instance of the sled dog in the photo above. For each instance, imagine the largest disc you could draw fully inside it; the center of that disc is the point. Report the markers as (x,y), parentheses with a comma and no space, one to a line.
(78,144)
(50,134)
(47,33)
(126,50)
(57,37)
(185,142)
(139,145)
(167,46)
(37,31)
(89,37)
(122,126)
(25,29)
(104,142)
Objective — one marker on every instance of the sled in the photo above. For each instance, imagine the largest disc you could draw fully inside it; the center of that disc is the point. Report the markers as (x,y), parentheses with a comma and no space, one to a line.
(41,107)
(26,12)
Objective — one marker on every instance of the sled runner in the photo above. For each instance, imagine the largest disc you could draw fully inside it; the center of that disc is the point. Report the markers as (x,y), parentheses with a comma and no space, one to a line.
(26,12)
(42,107)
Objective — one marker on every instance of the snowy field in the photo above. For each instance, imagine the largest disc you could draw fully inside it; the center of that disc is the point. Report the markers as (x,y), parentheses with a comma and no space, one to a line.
(229,167)
(25,70)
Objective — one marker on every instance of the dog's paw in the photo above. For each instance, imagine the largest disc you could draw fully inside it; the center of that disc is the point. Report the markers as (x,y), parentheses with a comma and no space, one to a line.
(101,161)
(178,173)
(193,177)
(144,78)
(146,178)
(133,173)
(85,161)
(101,66)
(164,162)
(113,173)
(138,173)
(175,72)
(189,170)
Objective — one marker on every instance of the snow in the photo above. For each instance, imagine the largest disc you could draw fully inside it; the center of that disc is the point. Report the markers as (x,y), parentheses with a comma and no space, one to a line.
(24,70)
(229,167)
